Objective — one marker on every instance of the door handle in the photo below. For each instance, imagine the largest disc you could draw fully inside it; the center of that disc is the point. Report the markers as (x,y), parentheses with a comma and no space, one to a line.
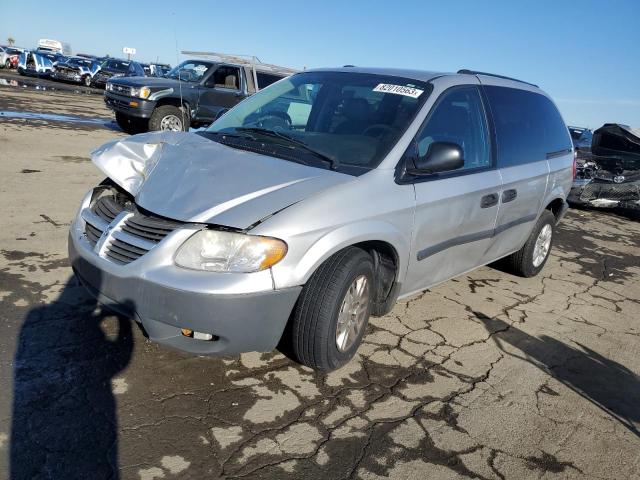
(509,195)
(489,200)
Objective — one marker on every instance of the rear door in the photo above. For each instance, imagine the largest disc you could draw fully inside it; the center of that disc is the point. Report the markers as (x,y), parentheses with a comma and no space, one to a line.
(455,211)
(220,91)
(529,132)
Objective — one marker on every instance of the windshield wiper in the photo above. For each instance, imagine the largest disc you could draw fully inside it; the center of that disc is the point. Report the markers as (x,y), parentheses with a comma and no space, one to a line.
(283,136)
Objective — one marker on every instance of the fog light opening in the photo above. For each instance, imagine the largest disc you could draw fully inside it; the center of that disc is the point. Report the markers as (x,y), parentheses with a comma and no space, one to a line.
(187,332)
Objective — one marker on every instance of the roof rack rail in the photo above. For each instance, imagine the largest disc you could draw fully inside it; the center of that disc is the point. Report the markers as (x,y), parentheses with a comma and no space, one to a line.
(245,60)
(474,72)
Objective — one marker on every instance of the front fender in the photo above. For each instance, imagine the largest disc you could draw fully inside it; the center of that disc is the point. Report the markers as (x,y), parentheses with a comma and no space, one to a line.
(299,269)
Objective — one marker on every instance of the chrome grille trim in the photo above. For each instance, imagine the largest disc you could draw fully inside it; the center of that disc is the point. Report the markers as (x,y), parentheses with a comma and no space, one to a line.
(121,235)
(137,242)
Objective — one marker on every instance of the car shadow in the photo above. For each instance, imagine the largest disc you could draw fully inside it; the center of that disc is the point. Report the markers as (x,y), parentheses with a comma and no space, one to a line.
(64,422)
(610,386)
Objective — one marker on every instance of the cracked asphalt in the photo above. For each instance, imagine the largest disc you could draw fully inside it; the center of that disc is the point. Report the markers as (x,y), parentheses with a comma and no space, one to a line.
(487,376)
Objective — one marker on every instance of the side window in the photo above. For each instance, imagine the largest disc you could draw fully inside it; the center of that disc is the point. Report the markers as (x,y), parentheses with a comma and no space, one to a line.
(528,126)
(225,76)
(458,117)
(266,79)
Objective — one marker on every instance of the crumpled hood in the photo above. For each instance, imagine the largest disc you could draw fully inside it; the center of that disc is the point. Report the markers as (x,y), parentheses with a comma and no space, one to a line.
(187,177)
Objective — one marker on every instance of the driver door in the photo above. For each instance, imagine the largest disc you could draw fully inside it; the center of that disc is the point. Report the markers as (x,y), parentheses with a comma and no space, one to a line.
(220,91)
(456,210)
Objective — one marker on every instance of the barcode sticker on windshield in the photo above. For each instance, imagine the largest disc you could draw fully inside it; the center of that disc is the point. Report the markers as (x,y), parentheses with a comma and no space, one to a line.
(398,90)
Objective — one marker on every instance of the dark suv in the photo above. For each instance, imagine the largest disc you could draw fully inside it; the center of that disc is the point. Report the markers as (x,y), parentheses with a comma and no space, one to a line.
(116,68)
(194,94)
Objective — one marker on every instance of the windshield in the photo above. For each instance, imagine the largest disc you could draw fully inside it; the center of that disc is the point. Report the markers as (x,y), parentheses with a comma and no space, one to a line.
(116,65)
(79,62)
(352,119)
(189,71)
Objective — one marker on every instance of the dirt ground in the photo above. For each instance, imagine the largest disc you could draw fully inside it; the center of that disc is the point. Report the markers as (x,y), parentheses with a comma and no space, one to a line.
(487,376)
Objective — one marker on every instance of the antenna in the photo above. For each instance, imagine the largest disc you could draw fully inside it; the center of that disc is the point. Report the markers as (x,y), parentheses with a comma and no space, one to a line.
(175,38)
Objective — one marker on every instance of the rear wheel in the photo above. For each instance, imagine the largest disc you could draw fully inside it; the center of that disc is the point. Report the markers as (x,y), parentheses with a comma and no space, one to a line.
(530,259)
(169,117)
(333,311)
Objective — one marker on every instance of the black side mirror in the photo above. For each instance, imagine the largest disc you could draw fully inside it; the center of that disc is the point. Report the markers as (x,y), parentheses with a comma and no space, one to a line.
(441,157)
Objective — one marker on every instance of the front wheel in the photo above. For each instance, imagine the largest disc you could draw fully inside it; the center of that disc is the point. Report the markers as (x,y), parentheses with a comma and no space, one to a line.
(333,310)
(529,260)
(169,117)
(87,80)
(7,64)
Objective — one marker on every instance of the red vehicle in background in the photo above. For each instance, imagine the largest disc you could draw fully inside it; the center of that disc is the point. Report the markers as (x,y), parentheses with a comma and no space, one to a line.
(9,57)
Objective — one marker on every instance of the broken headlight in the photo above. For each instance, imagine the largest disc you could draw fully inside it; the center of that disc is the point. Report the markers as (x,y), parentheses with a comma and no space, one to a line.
(220,251)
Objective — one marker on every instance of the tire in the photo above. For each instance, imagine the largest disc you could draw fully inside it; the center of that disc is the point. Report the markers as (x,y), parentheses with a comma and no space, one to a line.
(20,71)
(161,118)
(86,80)
(522,262)
(129,124)
(7,64)
(313,340)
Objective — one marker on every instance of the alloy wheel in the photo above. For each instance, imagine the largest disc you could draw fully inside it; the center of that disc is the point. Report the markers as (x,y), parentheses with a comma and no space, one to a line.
(353,313)
(171,122)
(543,243)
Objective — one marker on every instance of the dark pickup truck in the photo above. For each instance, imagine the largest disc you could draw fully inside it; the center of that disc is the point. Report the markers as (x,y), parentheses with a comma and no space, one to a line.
(192,94)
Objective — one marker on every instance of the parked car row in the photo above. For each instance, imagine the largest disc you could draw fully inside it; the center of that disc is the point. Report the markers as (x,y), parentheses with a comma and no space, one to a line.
(87,70)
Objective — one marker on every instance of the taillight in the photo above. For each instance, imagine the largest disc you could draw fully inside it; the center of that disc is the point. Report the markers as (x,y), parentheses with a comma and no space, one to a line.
(575,163)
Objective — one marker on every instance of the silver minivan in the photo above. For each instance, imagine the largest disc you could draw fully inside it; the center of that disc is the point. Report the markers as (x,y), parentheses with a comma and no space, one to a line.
(318,202)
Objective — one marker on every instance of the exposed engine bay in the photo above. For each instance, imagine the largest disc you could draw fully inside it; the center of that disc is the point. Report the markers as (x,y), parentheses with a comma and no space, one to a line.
(609,175)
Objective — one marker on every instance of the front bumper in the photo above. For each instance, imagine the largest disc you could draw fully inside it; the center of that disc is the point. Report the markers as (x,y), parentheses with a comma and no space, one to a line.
(156,297)
(67,77)
(122,104)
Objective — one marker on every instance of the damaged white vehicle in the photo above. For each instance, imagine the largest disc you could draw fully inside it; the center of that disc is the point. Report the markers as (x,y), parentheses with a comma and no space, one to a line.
(318,202)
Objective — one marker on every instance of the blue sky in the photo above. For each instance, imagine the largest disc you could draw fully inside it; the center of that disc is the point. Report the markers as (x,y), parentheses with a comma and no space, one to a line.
(585,54)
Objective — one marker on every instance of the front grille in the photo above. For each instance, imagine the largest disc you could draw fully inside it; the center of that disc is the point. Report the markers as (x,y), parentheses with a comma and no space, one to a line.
(107,208)
(121,89)
(149,228)
(131,239)
(611,191)
(92,233)
(123,252)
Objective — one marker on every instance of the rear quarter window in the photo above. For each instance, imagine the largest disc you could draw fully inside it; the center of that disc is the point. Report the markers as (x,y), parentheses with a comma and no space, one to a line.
(528,126)
(266,79)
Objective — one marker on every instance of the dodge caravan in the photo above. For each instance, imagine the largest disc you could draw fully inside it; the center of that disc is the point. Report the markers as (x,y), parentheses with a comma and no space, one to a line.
(320,201)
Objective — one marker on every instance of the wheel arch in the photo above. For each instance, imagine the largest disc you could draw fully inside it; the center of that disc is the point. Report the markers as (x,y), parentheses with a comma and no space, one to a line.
(557,206)
(176,102)
(388,247)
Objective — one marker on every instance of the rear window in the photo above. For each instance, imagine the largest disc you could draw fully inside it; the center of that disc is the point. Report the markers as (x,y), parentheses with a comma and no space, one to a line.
(266,79)
(528,126)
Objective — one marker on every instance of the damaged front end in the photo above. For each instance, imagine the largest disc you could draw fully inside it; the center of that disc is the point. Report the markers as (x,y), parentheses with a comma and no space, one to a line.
(610,177)
(190,178)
